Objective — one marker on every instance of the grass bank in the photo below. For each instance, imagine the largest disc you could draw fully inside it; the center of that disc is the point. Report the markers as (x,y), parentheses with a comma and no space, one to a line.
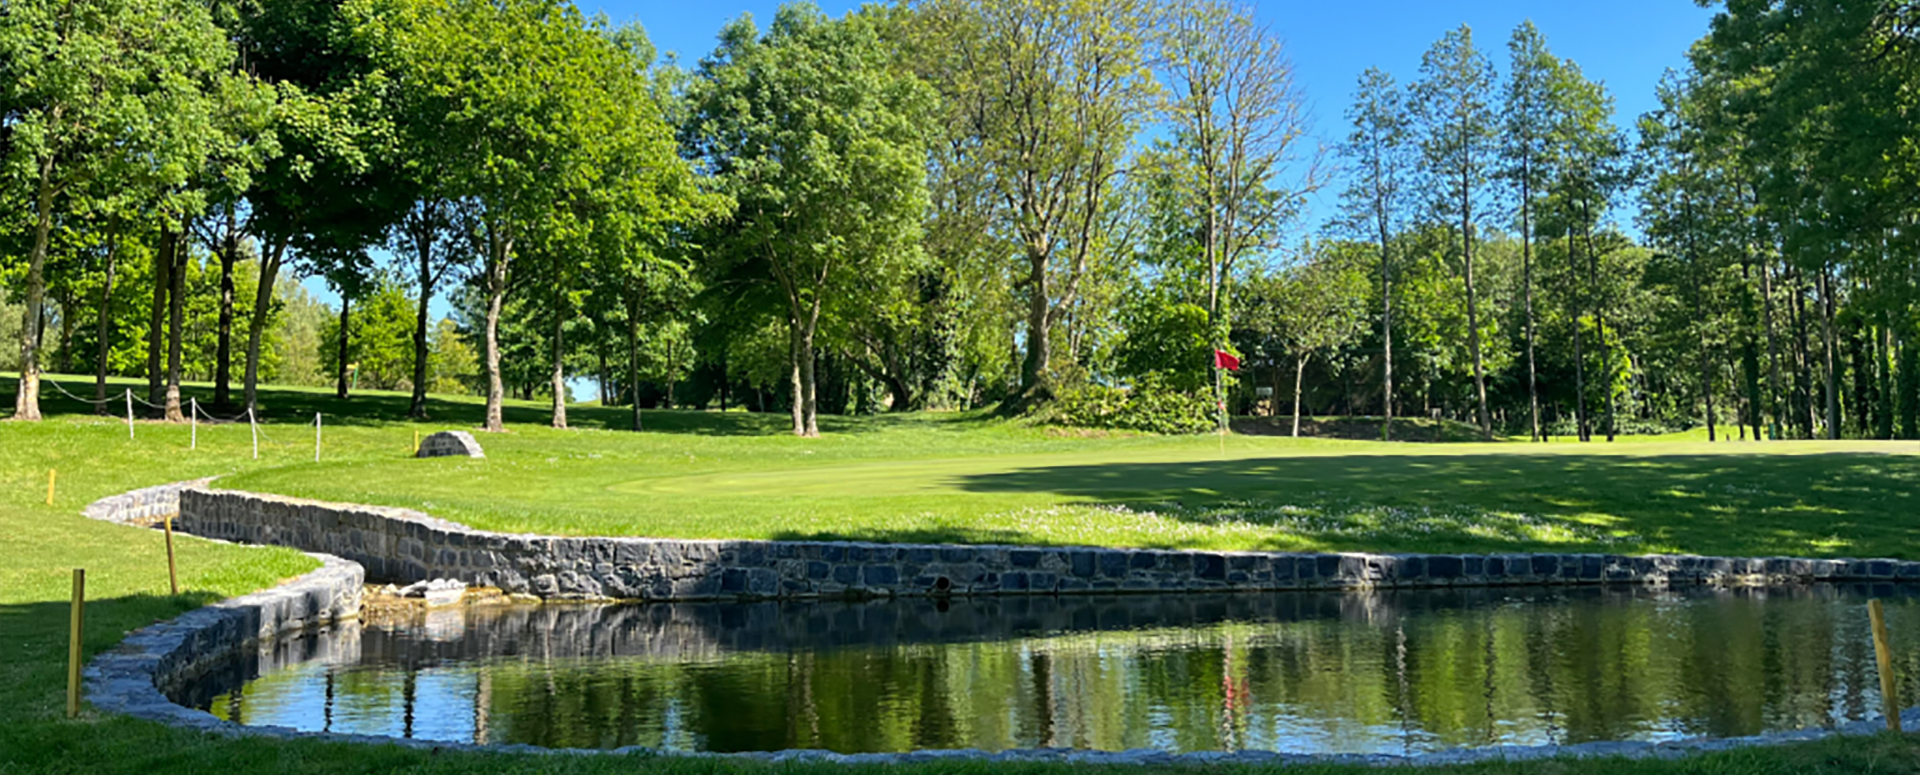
(1859,495)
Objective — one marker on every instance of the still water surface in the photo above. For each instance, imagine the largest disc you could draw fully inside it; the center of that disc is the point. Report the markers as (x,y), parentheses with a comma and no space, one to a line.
(1388,672)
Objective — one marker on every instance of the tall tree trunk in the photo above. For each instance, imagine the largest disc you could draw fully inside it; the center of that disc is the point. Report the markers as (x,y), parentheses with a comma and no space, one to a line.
(1775,415)
(499,250)
(1706,381)
(807,368)
(103,327)
(1299,376)
(1883,361)
(1579,357)
(157,317)
(797,355)
(559,367)
(672,368)
(1526,285)
(1832,356)
(1750,350)
(66,328)
(341,389)
(262,312)
(606,380)
(1600,320)
(1039,332)
(176,324)
(26,401)
(1862,378)
(223,347)
(1473,315)
(423,255)
(1386,327)
(633,351)
(1803,357)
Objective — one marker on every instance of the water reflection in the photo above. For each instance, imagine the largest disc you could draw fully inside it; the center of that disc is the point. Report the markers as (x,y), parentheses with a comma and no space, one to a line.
(1393,672)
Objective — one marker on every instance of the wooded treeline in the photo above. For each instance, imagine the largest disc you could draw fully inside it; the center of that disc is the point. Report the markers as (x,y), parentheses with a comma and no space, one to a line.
(1058,207)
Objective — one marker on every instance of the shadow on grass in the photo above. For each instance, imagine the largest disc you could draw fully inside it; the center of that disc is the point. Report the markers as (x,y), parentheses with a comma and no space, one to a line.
(281,404)
(1414,429)
(1836,504)
(34,671)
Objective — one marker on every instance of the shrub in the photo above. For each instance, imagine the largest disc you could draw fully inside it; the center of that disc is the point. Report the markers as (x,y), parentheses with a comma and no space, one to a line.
(1149,406)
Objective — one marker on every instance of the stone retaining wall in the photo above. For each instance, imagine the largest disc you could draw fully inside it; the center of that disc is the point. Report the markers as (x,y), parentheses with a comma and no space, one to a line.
(403,546)
(133,677)
(143,506)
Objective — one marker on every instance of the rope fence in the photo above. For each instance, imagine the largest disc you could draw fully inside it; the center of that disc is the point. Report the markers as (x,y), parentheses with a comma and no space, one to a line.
(195,415)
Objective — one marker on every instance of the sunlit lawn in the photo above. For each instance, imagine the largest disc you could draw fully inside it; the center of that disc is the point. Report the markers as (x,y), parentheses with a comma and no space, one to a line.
(969,478)
(960,477)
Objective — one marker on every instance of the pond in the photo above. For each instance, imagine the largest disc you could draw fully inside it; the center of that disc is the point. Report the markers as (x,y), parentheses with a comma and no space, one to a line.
(1379,672)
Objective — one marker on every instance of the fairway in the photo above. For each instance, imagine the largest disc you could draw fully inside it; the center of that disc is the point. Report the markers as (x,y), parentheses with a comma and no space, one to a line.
(973,479)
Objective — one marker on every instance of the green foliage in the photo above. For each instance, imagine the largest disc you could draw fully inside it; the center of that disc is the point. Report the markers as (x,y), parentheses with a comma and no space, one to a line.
(817,137)
(1153,403)
(1168,341)
(379,337)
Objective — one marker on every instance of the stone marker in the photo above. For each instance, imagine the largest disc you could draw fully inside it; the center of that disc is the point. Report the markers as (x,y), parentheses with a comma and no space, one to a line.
(450,443)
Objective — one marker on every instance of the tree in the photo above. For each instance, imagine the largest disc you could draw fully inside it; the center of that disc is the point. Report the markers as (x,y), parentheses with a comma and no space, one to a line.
(507,100)
(1457,144)
(1048,96)
(815,134)
(1593,169)
(431,237)
(1526,155)
(336,187)
(1378,151)
(105,90)
(1239,126)
(1312,307)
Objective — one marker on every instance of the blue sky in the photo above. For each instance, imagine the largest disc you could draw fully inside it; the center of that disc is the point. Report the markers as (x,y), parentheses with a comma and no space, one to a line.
(1626,43)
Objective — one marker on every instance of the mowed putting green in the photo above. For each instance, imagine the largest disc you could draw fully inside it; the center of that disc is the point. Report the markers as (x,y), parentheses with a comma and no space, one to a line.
(966,478)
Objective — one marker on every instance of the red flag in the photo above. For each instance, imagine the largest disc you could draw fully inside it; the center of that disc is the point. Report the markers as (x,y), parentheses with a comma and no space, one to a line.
(1221,360)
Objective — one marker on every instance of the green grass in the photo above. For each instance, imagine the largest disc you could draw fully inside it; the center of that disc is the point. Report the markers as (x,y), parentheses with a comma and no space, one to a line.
(969,478)
(713,474)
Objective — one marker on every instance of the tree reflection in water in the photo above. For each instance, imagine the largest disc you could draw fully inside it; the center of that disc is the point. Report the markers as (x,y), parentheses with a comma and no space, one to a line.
(1391,672)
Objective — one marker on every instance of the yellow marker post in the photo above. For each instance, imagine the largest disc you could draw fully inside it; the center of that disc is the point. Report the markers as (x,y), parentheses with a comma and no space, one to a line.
(173,578)
(416,441)
(1883,654)
(51,473)
(74,650)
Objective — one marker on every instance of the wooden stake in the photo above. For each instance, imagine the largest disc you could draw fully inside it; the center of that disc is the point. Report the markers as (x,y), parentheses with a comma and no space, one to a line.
(416,441)
(51,473)
(316,437)
(193,422)
(173,577)
(256,433)
(75,652)
(129,414)
(1883,653)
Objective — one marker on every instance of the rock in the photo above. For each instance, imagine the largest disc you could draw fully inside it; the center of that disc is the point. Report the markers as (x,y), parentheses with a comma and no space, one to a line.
(437,592)
(450,444)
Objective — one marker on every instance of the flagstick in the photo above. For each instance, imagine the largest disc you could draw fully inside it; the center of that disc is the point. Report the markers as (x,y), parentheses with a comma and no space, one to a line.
(1220,402)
